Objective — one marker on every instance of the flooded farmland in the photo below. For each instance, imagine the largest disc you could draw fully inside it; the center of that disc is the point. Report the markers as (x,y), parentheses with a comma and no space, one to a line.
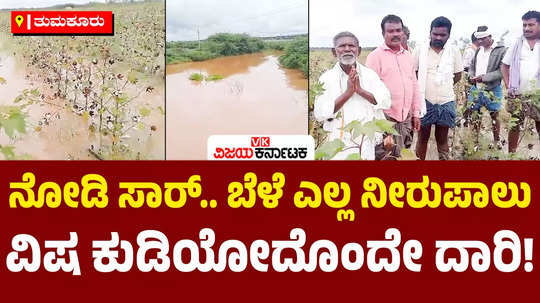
(86,97)
(256,96)
(55,132)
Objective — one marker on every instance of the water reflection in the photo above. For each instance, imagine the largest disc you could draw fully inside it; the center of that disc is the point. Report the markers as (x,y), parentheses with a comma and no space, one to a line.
(224,66)
(255,97)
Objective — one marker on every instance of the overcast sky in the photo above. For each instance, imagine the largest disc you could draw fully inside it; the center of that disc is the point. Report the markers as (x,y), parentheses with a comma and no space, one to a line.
(363,18)
(39,3)
(257,18)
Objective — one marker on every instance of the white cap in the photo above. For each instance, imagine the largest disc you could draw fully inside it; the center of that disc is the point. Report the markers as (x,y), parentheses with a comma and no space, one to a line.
(480,35)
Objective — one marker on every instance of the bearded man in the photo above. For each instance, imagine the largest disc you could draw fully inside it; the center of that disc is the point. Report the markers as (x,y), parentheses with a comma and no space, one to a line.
(521,74)
(439,67)
(352,92)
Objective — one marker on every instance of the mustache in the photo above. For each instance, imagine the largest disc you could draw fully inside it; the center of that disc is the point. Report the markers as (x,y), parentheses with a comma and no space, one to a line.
(347,58)
(351,55)
(397,38)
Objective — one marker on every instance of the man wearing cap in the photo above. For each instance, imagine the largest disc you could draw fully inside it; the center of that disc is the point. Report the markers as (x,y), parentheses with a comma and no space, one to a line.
(521,72)
(469,52)
(485,76)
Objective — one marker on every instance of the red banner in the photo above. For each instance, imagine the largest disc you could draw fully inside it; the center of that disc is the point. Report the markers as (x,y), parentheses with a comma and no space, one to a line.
(62,23)
(270,230)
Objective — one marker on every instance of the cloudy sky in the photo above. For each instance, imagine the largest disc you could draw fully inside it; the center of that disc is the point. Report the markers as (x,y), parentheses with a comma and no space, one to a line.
(39,3)
(363,17)
(257,18)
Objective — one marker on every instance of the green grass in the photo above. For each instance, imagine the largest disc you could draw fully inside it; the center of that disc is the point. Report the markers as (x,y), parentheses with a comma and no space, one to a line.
(214,77)
(199,77)
(196,77)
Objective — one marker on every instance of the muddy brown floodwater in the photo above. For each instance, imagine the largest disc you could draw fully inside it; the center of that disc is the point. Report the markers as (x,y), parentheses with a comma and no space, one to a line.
(256,96)
(66,136)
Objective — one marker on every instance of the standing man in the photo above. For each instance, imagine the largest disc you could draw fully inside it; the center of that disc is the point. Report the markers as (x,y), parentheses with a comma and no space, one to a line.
(468,55)
(396,69)
(351,92)
(405,44)
(485,76)
(521,72)
(471,49)
(405,39)
(439,67)
(469,52)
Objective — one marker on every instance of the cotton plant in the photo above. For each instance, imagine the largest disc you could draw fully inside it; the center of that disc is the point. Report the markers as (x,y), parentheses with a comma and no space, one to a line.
(534,95)
(13,120)
(359,132)
(108,81)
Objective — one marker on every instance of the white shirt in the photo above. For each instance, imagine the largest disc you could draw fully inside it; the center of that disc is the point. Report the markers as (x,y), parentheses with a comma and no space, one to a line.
(334,82)
(436,72)
(482,60)
(528,64)
(468,55)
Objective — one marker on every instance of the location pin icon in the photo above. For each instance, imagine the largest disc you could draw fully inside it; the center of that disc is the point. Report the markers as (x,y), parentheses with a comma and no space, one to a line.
(19,20)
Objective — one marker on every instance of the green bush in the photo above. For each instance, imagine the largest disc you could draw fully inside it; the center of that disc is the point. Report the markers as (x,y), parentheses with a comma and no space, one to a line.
(224,44)
(196,77)
(196,55)
(234,44)
(276,45)
(296,55)
(175,58)
(215,46)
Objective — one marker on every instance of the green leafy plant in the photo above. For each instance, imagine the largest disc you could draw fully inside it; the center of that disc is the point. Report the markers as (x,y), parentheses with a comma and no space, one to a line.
(13,120)
(217,45)
(214,78)
(196,77)
(359,133)
(296,55)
